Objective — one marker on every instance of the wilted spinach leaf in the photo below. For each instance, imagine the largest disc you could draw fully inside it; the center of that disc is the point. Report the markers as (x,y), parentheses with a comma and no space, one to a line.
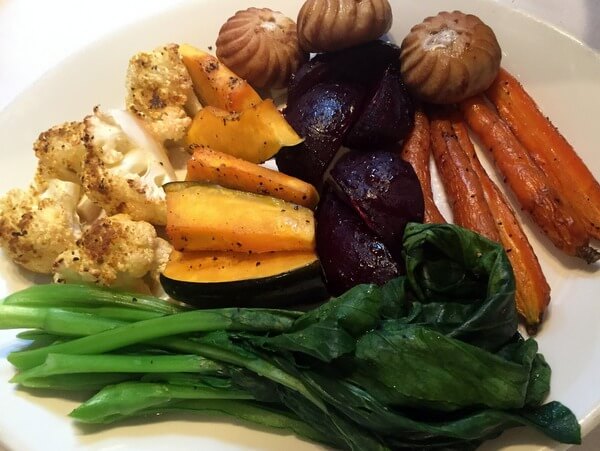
(463,283)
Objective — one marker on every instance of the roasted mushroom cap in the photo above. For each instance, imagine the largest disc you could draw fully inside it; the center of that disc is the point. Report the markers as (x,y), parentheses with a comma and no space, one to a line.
(328,25)
(449,57)
(261,46)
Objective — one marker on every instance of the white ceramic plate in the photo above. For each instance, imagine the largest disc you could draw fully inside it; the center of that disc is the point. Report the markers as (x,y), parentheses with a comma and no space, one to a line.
(563,77)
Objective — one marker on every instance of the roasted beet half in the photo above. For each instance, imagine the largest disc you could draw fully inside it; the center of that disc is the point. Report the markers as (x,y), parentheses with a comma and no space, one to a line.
(361,64)
(310,74)
(387,114)
(349,251)
(383,190)
(322,116)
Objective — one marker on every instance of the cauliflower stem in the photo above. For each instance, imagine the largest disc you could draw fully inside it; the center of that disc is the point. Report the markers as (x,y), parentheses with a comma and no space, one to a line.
(125,166)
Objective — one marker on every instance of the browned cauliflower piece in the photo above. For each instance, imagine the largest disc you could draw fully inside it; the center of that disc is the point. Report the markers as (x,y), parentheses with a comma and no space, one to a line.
(125,166)
(61,151)
(39,223)
(159,90)
(115,251)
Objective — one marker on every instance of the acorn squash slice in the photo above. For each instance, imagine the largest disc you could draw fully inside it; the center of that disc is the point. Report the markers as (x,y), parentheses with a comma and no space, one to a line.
(255,134)
(204,217)
(214,83)
(228,279)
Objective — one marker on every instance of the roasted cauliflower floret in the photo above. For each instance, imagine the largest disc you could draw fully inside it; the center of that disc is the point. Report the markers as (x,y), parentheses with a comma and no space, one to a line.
(61,151)
(159,90)
(125,167)
(115,251)
(39,223)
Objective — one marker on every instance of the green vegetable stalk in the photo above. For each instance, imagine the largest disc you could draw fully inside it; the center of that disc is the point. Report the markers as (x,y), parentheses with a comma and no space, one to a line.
(430,360)
(253,413)
(181,323)
(127,398)
(73,295)
(110,363)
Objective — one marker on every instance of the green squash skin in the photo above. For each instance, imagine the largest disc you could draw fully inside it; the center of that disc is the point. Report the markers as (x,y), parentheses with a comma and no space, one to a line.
(299,286)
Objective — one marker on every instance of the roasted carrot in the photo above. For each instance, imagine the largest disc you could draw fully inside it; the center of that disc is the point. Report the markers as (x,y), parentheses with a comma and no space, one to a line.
(207,165)
(461,184)
(548,147)
(532,290)
(546,206)
(416,151)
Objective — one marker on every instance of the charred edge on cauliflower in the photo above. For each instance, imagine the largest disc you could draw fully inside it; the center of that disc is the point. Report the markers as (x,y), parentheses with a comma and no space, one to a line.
(61,151)
(38,224)
(159,91)
(115,251)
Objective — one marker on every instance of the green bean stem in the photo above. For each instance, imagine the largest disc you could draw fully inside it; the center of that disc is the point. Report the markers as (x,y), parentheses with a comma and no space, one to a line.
(251,412)
(110,363)
(71,295)
(119,401)
(141,331)
(79,381)
(55,321)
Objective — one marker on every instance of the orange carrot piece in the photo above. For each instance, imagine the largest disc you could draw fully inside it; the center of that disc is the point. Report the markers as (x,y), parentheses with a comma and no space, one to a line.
(416,151)
(532,290)
(461,184)
(207,165)
(529,184)
(550,150)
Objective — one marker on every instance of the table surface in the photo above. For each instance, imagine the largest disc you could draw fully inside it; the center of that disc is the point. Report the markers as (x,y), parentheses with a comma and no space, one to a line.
(36,35)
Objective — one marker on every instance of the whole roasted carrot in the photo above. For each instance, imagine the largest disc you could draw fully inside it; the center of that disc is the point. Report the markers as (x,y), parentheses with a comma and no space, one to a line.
(416,151)
(548,147)
(461,184)
(546,206)
(532,290)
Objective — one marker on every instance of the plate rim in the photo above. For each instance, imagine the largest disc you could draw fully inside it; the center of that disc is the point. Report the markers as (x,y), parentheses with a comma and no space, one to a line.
(589,421)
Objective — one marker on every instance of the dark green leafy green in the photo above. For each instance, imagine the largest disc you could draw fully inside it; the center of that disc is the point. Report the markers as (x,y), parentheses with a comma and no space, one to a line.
(414,366)
(330,331)
(430,360)
(463,283)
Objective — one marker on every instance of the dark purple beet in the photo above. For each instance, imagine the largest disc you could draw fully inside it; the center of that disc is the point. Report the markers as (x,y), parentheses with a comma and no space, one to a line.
(384,191)
(350,253)
(386,117)
(365,63)
(361,64)
(310,74)
(322,117)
